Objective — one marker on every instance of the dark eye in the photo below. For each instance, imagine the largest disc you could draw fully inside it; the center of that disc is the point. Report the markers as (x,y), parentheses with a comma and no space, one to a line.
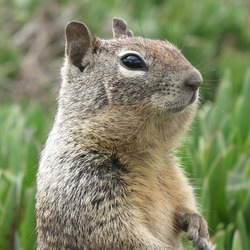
(133,62)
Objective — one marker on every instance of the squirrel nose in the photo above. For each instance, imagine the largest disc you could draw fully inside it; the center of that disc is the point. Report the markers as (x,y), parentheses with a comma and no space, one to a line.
(194,80)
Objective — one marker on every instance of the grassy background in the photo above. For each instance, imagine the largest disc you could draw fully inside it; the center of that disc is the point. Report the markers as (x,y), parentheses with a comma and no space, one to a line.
(213,34)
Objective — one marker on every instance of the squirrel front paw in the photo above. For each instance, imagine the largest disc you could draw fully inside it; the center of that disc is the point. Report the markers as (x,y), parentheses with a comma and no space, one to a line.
(196,228)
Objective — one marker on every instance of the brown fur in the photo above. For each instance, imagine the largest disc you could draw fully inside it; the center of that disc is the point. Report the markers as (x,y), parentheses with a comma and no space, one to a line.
(108,176)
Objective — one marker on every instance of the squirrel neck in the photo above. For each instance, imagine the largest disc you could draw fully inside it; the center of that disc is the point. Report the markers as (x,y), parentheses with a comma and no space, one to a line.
(129,134)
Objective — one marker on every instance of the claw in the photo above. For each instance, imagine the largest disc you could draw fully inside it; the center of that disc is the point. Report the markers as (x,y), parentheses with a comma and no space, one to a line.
(209,246)
(196,228)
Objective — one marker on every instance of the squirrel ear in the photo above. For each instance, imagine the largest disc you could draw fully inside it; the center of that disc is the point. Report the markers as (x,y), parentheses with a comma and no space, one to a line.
(79,41)
(119,28)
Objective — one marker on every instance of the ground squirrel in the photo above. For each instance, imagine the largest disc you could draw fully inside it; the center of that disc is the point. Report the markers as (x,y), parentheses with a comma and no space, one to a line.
(108,177)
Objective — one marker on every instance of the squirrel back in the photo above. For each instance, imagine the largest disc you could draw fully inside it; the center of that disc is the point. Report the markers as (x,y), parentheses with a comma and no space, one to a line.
(108,177)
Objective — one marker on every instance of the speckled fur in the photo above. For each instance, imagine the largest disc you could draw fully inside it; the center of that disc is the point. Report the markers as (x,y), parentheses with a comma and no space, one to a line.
(108,177)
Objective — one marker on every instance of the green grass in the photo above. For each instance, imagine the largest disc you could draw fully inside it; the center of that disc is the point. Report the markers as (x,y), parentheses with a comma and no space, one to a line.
(214,36)
(216,157)
(24,131)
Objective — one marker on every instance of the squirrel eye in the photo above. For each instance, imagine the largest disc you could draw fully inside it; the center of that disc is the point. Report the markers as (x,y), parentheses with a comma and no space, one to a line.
(133,62)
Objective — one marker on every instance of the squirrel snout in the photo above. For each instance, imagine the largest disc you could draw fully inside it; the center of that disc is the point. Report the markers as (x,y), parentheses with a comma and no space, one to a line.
(194,80)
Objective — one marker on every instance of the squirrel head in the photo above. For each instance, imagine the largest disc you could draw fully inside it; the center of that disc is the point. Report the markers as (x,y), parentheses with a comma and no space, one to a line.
(127,71)
(131,76)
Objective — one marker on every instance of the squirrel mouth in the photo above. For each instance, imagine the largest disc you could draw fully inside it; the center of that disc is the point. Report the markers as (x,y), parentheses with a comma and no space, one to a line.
(181,106)
(194,97)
